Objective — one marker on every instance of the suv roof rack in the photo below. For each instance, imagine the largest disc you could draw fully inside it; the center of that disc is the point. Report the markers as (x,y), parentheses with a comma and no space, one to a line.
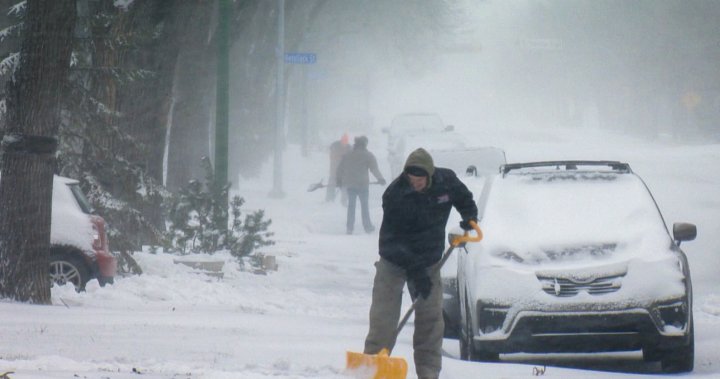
(567,165)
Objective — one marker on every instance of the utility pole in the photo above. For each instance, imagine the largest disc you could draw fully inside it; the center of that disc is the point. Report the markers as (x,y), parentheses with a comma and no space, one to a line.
(221,101)
(277,191)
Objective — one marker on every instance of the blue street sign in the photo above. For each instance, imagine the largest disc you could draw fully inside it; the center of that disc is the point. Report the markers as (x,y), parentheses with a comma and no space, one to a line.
(300,58)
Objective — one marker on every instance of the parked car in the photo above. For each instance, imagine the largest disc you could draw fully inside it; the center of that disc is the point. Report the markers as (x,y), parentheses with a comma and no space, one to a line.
(430,141)
(409,123)
(406,132)
(78,242)
(79,248)
(576,257)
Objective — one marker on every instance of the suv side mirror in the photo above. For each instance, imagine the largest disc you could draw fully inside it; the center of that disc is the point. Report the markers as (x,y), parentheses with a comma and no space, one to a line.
(683,231)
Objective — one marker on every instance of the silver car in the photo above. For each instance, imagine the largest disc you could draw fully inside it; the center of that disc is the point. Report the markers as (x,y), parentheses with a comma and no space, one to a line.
(576,257)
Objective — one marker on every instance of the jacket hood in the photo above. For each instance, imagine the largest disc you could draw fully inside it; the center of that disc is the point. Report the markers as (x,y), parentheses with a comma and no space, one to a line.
(421,158)
(361,142)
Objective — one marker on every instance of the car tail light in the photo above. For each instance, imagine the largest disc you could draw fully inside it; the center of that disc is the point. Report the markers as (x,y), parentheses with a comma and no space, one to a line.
(490,319)
(99,234)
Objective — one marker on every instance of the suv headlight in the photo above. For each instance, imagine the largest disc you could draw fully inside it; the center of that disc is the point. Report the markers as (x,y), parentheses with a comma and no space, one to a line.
(673,314)
(490,318)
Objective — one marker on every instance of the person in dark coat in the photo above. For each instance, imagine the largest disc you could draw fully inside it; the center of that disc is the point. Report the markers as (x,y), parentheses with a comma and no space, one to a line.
(352,174)
(416,208)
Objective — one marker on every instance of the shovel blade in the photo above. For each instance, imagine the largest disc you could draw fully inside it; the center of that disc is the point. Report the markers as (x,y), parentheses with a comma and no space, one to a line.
(378,366)
(315,186)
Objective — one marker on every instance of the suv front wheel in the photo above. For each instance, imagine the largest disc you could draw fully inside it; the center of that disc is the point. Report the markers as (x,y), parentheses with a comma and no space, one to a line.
(680,359)
(468,351)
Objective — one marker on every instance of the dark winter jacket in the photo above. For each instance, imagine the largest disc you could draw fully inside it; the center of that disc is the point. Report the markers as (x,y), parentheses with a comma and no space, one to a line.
(352,172)
(412,234)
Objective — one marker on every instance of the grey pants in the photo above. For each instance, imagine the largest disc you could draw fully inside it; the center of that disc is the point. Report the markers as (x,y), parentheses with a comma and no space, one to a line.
(353,195)
(385,316)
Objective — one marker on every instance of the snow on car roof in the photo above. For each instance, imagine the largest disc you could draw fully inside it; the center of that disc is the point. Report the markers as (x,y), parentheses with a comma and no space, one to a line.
(563,217)
(486,160)
(410,122)
(430,141)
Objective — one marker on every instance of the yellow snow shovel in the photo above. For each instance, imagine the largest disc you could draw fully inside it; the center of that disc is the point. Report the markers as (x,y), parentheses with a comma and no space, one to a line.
(382,365)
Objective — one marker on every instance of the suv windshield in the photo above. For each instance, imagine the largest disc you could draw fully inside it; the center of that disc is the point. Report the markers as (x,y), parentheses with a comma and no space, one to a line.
(81,199)
(549,217)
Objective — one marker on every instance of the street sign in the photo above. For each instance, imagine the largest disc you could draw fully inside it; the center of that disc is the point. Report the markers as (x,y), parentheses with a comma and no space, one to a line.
(300,58)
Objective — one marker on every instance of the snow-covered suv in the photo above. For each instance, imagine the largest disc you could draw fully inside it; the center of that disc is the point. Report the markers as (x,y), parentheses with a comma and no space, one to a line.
(79,247)
(576,257)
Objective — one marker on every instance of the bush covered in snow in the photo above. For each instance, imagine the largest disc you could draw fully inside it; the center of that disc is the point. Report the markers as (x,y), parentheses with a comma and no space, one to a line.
(198,220)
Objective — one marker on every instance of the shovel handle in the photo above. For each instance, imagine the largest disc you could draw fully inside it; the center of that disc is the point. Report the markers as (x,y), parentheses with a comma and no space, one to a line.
(467,237)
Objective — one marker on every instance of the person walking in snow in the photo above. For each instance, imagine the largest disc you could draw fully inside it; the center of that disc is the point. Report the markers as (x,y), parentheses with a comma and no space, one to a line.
(352,174)
(337,150)
(416,208)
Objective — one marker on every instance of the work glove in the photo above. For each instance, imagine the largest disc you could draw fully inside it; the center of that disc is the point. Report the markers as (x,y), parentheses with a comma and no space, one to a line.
(465,224)
(421,283)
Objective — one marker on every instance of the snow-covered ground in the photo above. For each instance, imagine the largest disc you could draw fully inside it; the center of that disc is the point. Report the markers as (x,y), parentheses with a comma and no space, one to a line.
(299,321)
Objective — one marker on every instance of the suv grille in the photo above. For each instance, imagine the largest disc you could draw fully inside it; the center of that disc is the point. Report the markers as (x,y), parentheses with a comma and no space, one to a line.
(569,286)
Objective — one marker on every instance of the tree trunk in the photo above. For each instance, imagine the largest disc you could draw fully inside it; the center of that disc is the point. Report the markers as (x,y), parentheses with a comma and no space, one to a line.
(194,97)
(33,106)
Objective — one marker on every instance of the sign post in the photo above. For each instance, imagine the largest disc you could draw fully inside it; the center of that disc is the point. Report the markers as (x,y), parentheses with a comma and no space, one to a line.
(277,191)
(303,59)
(282,57)
(292,58)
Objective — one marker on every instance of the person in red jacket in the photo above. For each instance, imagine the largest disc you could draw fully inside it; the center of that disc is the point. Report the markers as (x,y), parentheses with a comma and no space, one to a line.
(337,150)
